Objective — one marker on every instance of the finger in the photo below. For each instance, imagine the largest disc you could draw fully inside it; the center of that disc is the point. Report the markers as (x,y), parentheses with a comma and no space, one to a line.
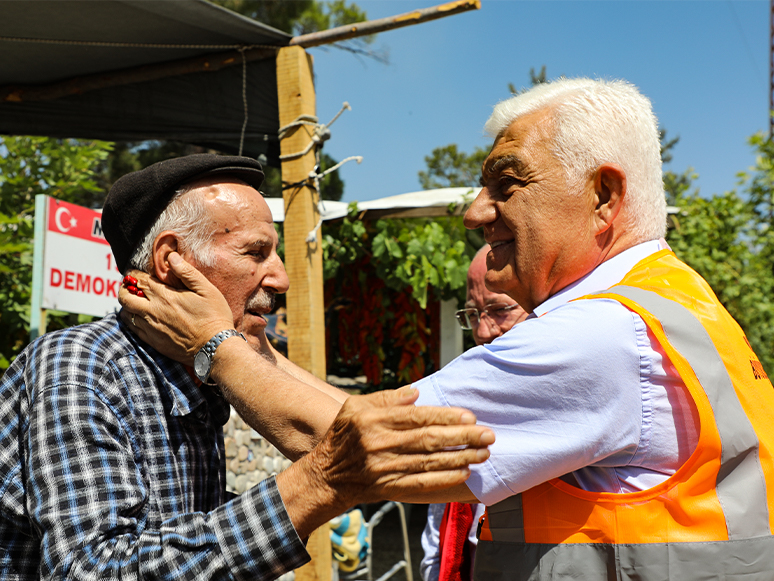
(418,463)
(135,322)
(406,417)
(433,439)
(412,485)
(404,396)
(132,302)
(388,397)
(188,275)
(126,316)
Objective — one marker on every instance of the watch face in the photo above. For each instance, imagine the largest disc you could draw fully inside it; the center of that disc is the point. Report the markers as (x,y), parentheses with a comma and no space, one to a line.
(201,365)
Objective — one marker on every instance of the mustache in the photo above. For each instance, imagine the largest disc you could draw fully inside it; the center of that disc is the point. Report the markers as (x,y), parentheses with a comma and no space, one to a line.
(262,300)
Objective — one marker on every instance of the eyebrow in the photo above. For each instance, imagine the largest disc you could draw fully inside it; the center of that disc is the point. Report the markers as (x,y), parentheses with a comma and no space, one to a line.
(503,162)
(260,243)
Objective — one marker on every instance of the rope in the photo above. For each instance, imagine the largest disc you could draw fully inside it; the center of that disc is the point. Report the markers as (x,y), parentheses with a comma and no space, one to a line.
(320,134)
(300,121)
(109,44)
(244,99)
(316,177)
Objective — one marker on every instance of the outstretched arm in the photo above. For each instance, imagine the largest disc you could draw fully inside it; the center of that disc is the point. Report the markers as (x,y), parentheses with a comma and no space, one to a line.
(383,447)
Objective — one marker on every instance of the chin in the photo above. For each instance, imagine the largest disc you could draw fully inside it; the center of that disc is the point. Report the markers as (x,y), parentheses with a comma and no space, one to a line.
(496,281)
(503,283)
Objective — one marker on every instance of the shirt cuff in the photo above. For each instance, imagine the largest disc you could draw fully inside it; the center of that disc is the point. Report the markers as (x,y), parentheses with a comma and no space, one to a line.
(256,536)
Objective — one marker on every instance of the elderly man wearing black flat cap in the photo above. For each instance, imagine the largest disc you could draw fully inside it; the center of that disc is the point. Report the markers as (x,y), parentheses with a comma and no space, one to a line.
(111,454)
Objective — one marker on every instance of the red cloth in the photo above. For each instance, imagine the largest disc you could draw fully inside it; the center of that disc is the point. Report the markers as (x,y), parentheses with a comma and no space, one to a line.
(453,544)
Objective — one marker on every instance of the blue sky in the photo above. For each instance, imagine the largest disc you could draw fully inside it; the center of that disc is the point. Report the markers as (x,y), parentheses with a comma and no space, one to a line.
(703,64)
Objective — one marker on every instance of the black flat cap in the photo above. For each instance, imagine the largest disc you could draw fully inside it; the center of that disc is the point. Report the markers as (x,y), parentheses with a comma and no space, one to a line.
(137,199)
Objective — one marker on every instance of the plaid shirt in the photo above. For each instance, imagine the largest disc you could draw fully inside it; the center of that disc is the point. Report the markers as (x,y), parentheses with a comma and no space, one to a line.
(112,465)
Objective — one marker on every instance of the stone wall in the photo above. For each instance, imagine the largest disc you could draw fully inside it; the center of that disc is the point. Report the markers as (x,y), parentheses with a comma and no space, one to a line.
(249,458)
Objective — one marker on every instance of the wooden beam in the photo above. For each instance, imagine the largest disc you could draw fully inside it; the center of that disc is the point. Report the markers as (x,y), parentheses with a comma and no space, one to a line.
(380,25)
(84,84)
(320,568)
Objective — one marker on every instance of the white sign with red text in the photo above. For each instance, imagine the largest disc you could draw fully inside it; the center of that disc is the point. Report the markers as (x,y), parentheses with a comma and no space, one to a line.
(79,272)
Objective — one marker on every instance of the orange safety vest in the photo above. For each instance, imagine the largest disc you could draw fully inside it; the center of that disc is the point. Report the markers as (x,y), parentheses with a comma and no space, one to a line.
(713,518)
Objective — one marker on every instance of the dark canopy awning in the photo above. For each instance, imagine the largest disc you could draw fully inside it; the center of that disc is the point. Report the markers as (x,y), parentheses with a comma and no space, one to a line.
(132,70)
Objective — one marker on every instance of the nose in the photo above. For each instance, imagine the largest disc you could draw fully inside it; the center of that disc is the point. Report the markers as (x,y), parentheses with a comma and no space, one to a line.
(276,278)
(481,212)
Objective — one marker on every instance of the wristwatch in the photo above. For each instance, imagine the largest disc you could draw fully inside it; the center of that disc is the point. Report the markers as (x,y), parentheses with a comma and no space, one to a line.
(203,359)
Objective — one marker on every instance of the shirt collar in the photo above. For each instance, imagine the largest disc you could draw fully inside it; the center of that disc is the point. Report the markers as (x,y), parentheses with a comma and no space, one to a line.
(607,274)
(182,391)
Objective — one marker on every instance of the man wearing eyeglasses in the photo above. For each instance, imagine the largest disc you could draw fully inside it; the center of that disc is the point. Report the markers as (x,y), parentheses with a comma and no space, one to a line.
(487,314)
(449,539)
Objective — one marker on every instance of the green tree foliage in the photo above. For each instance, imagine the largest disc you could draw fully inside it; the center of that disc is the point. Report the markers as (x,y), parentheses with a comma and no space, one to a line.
(428,257)
(387,276)
(727,238)
(66,169)
(447,167)
(534,79)
(299,17)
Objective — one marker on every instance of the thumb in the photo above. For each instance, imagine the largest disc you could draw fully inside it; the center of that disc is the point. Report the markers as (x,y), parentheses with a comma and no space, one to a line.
(403,396)
(385,398)
(188,274)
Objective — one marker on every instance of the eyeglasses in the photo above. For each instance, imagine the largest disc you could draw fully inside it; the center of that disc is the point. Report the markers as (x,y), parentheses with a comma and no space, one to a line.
(497,313)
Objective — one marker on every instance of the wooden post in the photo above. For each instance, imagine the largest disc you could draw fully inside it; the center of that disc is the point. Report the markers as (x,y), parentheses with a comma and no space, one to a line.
(303,260)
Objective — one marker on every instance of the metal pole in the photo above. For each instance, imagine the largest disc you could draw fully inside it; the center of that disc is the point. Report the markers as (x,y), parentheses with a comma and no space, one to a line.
(37,314)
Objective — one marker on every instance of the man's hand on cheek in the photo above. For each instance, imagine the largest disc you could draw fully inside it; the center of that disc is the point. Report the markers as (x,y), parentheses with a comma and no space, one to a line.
(176,322)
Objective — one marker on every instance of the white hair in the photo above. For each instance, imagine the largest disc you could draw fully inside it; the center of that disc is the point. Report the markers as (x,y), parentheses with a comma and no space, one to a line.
(599,121)
(185,215)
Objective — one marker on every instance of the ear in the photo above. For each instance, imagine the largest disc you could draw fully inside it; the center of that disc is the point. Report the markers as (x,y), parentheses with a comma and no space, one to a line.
(164,244)
(609,191)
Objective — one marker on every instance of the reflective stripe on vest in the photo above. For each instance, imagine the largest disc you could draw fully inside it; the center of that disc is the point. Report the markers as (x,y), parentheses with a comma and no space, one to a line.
(732,500)
(745,560)
(740,484)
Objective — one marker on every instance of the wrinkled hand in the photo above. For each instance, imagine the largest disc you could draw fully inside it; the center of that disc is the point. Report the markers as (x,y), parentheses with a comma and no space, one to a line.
(176,322)
(381,447)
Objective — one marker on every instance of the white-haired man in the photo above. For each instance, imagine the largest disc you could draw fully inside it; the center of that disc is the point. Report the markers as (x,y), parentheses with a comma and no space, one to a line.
(633,424)
(112,459)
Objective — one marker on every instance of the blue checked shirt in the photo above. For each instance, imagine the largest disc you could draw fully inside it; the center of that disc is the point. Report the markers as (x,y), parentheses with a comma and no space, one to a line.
(112,466)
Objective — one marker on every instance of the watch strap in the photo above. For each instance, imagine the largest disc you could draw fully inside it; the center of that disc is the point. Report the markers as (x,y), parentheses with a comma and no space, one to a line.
(212,345)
